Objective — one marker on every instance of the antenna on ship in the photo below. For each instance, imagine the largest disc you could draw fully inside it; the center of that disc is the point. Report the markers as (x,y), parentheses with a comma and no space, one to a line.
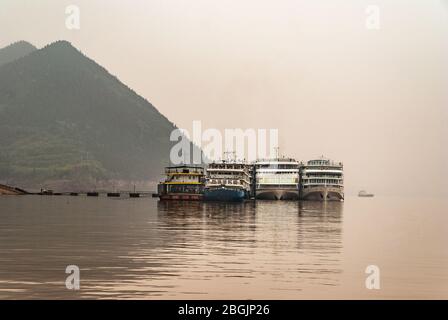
(229,155)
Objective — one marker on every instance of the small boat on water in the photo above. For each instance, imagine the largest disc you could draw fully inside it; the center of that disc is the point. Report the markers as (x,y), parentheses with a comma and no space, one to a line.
(46,192)
(182,183)
(364,193)
(227,181)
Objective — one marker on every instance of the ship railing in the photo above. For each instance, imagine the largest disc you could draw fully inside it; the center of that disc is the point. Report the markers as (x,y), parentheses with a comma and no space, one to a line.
(226,170)
(226,181)
(326,164)
(321,184)
(184,171)
(277,186)
(271,183)
(226,185)
(335,177)
(280,170)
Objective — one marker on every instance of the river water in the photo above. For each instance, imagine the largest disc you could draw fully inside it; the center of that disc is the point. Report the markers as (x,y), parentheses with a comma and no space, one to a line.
(146,249)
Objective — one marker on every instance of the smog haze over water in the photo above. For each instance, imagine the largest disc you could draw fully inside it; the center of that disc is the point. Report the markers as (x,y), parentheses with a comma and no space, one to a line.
(374,99)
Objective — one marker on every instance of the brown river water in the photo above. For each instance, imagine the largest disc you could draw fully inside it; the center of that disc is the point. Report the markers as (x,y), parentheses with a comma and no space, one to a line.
(146,249)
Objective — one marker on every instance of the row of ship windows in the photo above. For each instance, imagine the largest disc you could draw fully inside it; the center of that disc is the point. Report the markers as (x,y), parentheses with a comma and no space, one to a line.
(282,186)
(322,181)
(264,173)
(232,167)
(277,180)
(227,173)
(280,166)
(226,181)
(322,174)
(180,189)
(184,178)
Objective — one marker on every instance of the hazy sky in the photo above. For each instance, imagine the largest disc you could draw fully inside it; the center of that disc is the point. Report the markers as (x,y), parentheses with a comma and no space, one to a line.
(375,99)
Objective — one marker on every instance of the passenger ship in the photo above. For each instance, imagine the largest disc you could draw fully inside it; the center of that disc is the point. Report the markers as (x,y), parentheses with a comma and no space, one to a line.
(182,183)
(322,179)
(227,181)
(277,179)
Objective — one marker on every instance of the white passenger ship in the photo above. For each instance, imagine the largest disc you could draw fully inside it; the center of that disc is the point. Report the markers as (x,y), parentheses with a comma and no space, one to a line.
(322,179)
(277,179)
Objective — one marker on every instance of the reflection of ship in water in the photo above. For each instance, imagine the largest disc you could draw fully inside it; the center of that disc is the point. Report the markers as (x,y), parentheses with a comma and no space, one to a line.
(319,237)
(320,225)
(324,210)
(222,216)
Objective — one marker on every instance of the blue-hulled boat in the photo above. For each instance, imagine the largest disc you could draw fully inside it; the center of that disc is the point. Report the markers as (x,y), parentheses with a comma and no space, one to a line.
(224,194)
(227,181)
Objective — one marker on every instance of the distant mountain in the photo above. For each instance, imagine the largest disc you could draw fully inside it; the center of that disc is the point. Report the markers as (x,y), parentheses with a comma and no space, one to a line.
(15,51)
(66,121)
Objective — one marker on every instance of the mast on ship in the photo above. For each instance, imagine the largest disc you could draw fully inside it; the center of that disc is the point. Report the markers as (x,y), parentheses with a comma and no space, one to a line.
(229,156)
(277,152)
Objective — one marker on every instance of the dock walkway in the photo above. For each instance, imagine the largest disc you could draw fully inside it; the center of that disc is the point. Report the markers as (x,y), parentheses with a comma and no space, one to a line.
(7,190)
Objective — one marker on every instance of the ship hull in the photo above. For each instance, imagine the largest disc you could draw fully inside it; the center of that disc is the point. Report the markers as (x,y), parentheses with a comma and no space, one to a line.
(224,194)
(277,194)
(181,197)
(322,194)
